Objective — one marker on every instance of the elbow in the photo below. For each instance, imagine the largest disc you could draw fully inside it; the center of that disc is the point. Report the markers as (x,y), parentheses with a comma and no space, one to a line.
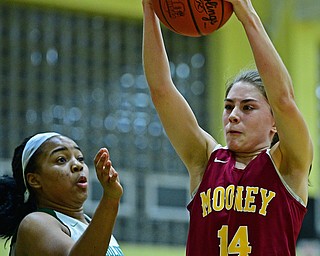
(285,103)
(158,94)
(160,87)
(285,99)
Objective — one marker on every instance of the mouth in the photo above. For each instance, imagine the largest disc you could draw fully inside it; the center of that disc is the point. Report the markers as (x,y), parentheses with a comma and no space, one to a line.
(233,132)
(82,182)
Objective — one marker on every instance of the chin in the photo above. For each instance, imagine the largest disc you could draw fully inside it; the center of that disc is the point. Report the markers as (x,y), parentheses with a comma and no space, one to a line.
(238,149)
(83,197)
(233,146)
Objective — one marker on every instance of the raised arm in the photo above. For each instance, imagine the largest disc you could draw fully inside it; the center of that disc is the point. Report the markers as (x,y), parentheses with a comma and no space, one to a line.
(294,153)
(97,236)
(192,144)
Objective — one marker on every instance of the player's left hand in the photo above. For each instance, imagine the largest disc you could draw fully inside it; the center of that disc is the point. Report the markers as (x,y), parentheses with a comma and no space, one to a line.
(107,175)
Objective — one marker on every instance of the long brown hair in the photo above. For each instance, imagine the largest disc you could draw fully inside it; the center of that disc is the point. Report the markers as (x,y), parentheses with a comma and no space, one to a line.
(251,76)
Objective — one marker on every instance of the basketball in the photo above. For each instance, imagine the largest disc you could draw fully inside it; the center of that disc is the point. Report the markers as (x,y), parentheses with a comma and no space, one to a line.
(193,18)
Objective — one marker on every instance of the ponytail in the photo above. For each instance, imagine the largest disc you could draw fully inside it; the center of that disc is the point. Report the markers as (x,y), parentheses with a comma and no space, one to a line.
(12,206)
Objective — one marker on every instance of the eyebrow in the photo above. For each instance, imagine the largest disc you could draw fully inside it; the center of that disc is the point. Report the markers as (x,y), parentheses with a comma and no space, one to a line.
(63,149)
(243,101)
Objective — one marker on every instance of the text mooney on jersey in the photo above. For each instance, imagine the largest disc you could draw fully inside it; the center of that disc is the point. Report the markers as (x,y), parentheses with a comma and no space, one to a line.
(241,199)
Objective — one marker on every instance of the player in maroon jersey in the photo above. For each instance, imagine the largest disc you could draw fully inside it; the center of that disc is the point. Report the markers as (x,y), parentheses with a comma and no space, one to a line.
(249,197)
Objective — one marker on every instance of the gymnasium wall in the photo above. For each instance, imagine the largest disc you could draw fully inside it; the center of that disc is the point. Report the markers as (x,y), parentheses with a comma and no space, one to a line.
(123,8)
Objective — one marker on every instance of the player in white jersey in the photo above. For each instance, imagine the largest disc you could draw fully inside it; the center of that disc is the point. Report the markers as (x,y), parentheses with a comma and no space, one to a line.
(49,173)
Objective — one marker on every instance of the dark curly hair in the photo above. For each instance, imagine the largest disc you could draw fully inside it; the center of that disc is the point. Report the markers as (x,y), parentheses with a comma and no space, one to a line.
(12,206)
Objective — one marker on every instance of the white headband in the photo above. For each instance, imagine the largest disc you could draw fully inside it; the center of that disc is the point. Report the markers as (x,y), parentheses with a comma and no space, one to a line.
(31,147)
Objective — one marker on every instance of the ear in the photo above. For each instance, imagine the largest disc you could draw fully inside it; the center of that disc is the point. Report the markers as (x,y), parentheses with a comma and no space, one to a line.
(34,180)
(274,128)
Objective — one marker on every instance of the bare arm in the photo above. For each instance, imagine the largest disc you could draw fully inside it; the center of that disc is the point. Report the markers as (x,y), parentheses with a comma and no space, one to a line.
(294,153)
(192,144)
(42,234)
(97,236)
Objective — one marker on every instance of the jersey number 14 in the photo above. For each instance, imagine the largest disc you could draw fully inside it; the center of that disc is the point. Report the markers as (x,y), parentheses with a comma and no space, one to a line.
(239,244)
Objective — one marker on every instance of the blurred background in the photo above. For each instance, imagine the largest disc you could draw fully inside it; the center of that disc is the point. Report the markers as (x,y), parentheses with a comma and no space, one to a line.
(75,67)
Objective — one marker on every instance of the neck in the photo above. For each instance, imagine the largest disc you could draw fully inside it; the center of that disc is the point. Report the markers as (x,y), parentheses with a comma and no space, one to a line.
(246,157)
(76,213)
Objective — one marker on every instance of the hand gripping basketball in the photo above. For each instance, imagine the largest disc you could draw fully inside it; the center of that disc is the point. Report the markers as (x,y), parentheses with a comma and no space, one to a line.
(193,17)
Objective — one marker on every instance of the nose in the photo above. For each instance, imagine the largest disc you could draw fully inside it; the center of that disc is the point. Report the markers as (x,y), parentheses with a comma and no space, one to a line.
(76,166)
(234,117)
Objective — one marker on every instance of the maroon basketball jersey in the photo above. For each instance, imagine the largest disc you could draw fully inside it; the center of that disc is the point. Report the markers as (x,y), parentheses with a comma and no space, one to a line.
(249,212)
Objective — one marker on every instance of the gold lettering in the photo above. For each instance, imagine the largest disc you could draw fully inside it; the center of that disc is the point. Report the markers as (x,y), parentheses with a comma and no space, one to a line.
(238,201)
(234,197)
(265,200)
(206,202)
(250,199)
(229,197)
(218,199)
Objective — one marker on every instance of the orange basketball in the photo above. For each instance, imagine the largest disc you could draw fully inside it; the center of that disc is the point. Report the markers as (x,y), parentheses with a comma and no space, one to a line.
(193,17)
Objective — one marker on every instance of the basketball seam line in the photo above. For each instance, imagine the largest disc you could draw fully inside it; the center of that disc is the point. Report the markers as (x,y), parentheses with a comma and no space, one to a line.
(222,13)
(193,19)
(163,15)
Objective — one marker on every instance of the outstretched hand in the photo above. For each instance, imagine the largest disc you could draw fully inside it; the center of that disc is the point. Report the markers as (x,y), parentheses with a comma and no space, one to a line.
(242,9)
(146,2)
(107,175)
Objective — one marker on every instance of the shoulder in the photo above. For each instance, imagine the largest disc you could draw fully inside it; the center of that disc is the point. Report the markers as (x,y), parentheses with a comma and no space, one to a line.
(35,224)
(287,164)
(295,176)
(37,218)
(35,230)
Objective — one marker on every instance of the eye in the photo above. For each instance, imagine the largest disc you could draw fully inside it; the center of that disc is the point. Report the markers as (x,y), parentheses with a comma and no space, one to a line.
(80,159)
(61,159)
(248,107)
(228,107)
